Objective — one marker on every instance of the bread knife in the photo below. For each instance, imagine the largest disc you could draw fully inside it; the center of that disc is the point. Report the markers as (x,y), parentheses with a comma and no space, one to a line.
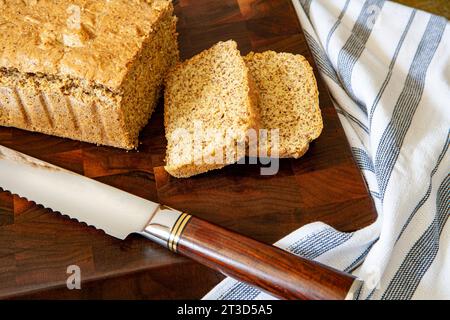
(120,214)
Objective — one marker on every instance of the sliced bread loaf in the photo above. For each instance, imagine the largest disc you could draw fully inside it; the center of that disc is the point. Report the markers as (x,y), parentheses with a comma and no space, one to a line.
(209,107)
(288,101)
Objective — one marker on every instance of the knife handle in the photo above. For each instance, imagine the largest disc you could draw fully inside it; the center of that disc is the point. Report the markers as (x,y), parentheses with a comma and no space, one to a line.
(271,269)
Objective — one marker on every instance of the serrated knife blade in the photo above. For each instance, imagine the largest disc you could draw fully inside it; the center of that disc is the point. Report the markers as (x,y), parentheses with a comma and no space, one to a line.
(119,214)
(109,209)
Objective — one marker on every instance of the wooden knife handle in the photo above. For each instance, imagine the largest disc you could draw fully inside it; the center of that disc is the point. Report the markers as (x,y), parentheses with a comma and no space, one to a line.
(271,269)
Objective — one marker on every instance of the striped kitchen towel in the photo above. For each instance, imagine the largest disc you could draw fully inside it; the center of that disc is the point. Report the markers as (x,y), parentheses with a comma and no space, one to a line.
(388,70)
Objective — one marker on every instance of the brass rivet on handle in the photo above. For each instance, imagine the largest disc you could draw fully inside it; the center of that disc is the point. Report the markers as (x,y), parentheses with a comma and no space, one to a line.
(177,230)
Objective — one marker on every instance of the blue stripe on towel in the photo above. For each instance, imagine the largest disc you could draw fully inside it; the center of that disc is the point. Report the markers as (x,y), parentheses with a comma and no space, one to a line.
(352,118)
(363,160)
(391,67)
(354,47)
(321,58)
(360,258)
(428,193)
(424,251)
(306,5)
(336,25)
(392,138)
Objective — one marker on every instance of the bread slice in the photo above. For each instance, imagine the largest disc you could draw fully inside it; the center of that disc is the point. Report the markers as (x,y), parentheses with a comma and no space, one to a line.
(288,101)
(210,105)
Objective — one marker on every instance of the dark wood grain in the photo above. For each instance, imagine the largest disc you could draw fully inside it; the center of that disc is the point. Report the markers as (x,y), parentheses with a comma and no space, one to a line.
(37,246)
(271,269)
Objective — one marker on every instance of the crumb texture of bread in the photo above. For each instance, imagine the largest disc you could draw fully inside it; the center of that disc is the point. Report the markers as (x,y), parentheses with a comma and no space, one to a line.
(85,70)
(209,107)
(288,100)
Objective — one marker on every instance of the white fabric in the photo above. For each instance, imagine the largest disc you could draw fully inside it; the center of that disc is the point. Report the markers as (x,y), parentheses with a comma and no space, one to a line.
(388,70)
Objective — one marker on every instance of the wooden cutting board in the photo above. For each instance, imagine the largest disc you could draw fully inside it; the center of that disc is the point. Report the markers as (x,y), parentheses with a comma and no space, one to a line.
(37,246)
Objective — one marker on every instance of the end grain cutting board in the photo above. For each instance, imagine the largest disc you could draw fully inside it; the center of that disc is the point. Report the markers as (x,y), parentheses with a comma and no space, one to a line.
(36,246)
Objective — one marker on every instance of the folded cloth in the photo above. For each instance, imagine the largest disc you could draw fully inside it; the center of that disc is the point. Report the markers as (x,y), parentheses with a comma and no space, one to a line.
(388,70)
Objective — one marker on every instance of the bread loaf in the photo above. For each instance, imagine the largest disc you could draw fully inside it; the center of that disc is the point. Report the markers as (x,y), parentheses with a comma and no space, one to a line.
(85,70)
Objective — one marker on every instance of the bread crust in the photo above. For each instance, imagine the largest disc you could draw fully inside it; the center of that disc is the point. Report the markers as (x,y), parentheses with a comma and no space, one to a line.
(95,41)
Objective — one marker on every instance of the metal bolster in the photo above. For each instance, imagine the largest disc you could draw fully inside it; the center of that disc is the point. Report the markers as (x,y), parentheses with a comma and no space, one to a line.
(166,227)
(354,289)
